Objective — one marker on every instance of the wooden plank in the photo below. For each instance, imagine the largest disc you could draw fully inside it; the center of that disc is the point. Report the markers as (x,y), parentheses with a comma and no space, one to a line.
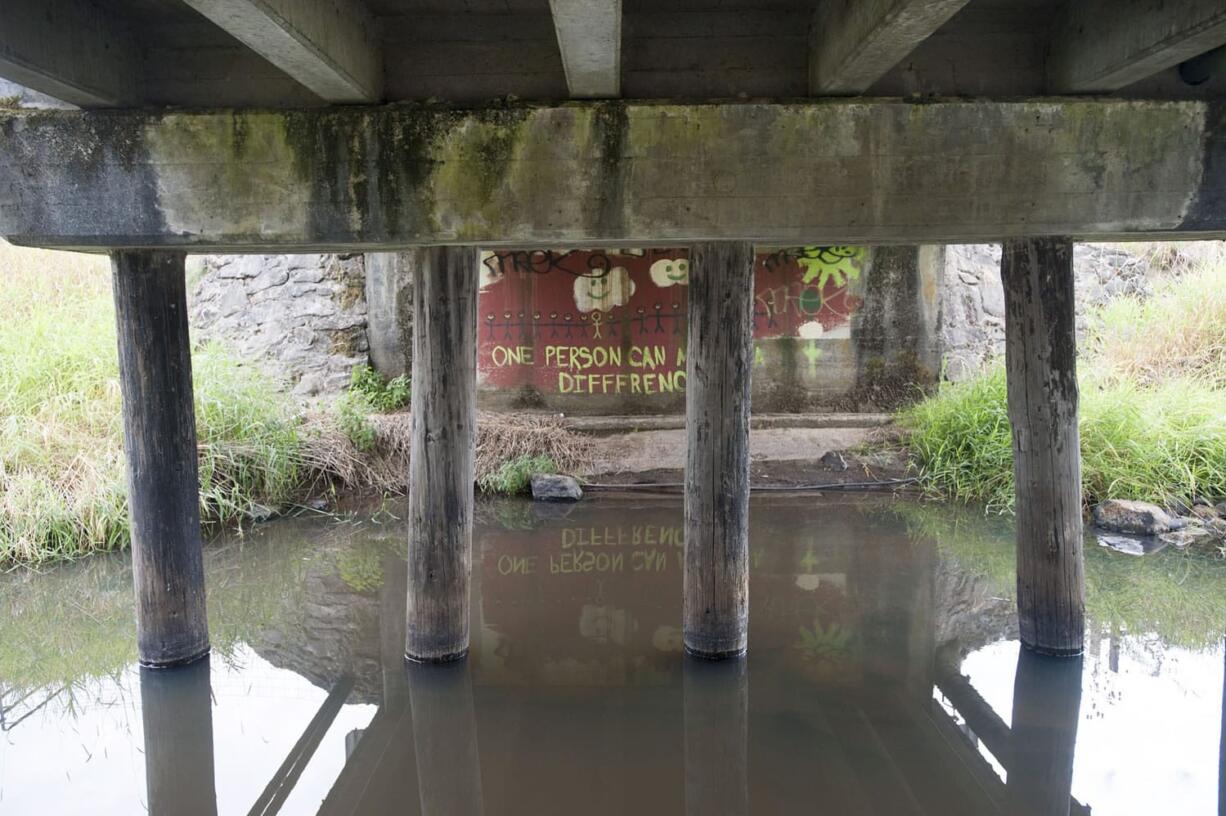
(1041,369)
(853,43)
(159,439)
(590,41)
(441,453)
(330,46)
(73,50)
(1103,45)
(719,362)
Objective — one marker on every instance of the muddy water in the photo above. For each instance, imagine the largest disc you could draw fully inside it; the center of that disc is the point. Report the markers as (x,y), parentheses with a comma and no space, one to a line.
(884,676)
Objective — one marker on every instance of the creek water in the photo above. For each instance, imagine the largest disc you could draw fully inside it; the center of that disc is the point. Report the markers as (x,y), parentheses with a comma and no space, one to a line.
(884,676)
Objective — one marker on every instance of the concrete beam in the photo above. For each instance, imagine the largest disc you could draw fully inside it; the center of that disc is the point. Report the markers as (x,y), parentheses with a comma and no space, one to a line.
(71,50)
(590,39)
(1103,45)
(598,174)
(853,43)
(327,45)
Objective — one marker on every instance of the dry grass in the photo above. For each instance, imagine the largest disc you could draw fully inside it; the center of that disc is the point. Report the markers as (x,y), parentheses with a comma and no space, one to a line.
(1179,332)
(332,456)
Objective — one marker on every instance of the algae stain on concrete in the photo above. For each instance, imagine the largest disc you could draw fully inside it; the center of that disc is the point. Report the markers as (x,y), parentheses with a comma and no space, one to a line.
(230,174)
(474,162)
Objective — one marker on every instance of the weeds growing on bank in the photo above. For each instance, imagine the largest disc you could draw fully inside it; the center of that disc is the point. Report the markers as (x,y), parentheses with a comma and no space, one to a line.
(1152,414)
(62,481)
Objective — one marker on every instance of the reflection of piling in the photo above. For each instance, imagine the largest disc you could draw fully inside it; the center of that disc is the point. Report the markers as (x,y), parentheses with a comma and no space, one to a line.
(1046,707)
(176,707)
(716,736)
(445,739)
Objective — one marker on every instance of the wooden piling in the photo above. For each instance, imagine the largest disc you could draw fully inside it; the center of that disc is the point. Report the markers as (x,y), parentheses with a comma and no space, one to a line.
(445,740)
(159,421)
(1040,355)
(441,454)
(719,360)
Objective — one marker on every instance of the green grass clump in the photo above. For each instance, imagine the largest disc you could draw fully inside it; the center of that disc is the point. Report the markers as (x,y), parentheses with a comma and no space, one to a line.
(369,393)
(62,481)
(1152,412)
(514,476)
(384,395)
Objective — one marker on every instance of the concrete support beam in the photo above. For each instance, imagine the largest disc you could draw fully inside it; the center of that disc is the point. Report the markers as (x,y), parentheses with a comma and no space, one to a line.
(72,50)
(590,39)
(159,436)
(853,43)
(329,46)
(441,454)
(1041,370)
(1103,45)
(719,362)
(596,174)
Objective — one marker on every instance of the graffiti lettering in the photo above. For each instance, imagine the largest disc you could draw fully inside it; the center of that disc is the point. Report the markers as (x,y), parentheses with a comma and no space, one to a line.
(511,355)
(662,383)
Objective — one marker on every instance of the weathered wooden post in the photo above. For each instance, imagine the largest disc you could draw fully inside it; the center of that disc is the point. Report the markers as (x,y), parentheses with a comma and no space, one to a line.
(1040,357)
(716,703)
(444,418)
(177,716)
(718,365)
(1043,734)
(159,422)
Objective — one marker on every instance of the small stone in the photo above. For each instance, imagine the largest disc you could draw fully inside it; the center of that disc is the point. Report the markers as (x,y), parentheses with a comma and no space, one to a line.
(1204,511)
(555,487)
(1186,536)
(834,461)
(1221,509)
(261,513)
(1139,518)
(968,278)
(318,503)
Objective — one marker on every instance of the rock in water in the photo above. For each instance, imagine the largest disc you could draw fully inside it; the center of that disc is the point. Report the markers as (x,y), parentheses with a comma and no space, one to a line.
(834,460)
(555,487)
(1121,543)
(1136,517)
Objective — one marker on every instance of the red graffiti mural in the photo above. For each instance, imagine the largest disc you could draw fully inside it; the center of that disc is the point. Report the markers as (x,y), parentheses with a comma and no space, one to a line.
(597,322)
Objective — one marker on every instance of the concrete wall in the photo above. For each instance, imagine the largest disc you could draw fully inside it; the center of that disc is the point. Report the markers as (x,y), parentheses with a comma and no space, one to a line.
(604,331)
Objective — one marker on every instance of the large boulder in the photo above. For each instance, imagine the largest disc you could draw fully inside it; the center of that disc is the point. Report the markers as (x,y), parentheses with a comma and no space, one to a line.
(553,487)
(1136,517)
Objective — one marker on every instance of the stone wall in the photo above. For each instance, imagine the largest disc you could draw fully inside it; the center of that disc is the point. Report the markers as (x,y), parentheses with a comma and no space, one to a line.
(301,317)
(973,324)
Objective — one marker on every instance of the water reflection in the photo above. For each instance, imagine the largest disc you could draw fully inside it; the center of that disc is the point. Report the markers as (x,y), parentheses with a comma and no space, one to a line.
(177,720)
(1040,750)
(577,698)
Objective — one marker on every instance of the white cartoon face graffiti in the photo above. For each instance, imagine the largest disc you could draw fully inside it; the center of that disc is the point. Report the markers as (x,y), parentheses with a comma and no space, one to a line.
(603,292)
(671,272)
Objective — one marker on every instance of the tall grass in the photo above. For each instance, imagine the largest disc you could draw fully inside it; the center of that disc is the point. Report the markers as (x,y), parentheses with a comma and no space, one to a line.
(62,483)
(1152,416)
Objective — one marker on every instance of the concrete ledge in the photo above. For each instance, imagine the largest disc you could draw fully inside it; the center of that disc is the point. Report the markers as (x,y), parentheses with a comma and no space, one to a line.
(632,423)
(600,173)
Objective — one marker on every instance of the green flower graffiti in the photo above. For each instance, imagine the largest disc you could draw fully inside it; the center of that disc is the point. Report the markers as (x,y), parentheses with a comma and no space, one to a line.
(830,644)
(831,263)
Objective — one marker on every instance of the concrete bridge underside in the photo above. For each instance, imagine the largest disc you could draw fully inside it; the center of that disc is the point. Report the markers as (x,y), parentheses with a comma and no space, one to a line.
(345,124)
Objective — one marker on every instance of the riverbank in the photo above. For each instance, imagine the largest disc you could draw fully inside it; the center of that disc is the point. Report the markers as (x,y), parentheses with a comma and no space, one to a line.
(1152,378)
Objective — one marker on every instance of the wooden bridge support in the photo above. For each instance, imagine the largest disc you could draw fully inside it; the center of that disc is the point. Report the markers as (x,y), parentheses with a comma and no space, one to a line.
(1040,355)
(718,365)
(444,418)
(445,740)
(159,420)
